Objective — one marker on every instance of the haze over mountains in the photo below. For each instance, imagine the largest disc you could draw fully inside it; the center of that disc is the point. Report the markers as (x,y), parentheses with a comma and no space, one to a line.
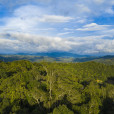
(56,56)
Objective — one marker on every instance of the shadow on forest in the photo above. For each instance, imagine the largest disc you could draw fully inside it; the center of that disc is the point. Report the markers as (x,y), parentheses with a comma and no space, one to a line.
(23,107)
(61,102)
(107,107)
(110,80)
(26,108)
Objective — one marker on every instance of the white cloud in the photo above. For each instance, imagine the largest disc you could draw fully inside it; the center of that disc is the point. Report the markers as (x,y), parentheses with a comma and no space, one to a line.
(33,43)
(99,1)
(81,21)
(31,19)
(39,14)
(64,33)
(68,29)
(107,46)
(93,27)
(55,19)
(81,8)
(109,10)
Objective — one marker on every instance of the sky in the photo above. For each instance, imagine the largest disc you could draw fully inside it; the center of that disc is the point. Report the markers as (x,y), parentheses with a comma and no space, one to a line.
(75,26)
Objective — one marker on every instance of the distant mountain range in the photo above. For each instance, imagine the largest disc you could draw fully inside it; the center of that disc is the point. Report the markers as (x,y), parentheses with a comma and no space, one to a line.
(56,56)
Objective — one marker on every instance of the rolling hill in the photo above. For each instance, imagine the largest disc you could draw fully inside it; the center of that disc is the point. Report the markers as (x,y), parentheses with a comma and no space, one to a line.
(109,59)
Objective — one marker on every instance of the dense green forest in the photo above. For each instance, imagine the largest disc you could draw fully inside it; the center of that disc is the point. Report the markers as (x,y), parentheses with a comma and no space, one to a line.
(109,61)
(56,88)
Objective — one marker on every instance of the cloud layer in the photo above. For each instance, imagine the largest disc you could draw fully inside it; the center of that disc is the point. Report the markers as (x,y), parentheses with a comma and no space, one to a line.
(18,42)
(54,25)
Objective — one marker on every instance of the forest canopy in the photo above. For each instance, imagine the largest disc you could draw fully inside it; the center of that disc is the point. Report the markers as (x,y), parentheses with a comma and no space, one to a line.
(56,88)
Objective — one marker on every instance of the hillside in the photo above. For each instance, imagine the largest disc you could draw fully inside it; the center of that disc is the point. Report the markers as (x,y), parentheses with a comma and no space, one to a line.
(109,60)
(33,58)
(56,88)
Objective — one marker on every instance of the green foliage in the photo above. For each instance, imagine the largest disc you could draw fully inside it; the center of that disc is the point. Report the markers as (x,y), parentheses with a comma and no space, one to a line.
(58,88)
(62,109)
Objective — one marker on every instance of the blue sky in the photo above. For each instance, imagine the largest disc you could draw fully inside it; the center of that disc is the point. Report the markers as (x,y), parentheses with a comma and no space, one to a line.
(76,26)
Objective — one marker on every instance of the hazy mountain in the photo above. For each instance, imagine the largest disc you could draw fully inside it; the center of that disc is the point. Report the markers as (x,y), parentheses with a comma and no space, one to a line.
(58,57)
(55,54)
